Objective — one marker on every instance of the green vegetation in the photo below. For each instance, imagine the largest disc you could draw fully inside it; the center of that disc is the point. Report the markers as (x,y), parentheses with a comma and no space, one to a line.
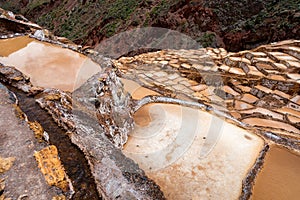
(160,9)
(110,28)
(81,21)
(277,14)
(8,5)
(121,9)
(35,4)
(77,22)
(207,39)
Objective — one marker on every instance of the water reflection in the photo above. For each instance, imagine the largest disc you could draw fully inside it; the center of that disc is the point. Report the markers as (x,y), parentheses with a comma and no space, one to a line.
(47,65)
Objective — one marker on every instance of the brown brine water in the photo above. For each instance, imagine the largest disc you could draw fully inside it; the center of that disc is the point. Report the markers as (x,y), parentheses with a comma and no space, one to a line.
(279,178)
(46,64)
(168,142)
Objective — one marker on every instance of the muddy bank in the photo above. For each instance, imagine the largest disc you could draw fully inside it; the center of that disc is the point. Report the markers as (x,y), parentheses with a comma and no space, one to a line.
(9,46)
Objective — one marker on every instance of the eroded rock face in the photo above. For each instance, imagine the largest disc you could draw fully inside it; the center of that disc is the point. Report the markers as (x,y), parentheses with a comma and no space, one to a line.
(14,77)
(109,166)
(15,25)
(114,108)
(21,175)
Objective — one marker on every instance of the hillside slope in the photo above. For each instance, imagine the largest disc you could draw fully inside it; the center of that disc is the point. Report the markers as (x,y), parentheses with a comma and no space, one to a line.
(235,25)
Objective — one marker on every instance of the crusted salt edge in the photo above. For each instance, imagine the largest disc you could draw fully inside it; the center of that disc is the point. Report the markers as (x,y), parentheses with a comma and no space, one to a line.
(268,135)
(281,140)
(76,48)
(169,100)
(272,136)
(12,35)
(248,182)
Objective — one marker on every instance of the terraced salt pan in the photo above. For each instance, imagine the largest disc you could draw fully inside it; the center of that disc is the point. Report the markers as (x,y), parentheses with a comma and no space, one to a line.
(47,65)
(191,154)
(279,177)
(9,46)
(136,91)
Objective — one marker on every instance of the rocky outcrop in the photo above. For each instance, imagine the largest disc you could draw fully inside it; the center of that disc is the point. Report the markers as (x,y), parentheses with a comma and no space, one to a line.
(116,175)
(21,176)
(11,24)
(12,76)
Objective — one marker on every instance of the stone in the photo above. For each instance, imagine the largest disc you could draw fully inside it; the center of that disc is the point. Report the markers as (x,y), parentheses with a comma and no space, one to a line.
(259,122)
(239,105)
(39,34)
(263,111)
(174,65)
(186,66)
(51,167)
(249,98)
(238,71)
(109,166)
(6,163)
(17,146)
(38,131)
(294,76)
(293,119)
(164,62)
(198,88)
